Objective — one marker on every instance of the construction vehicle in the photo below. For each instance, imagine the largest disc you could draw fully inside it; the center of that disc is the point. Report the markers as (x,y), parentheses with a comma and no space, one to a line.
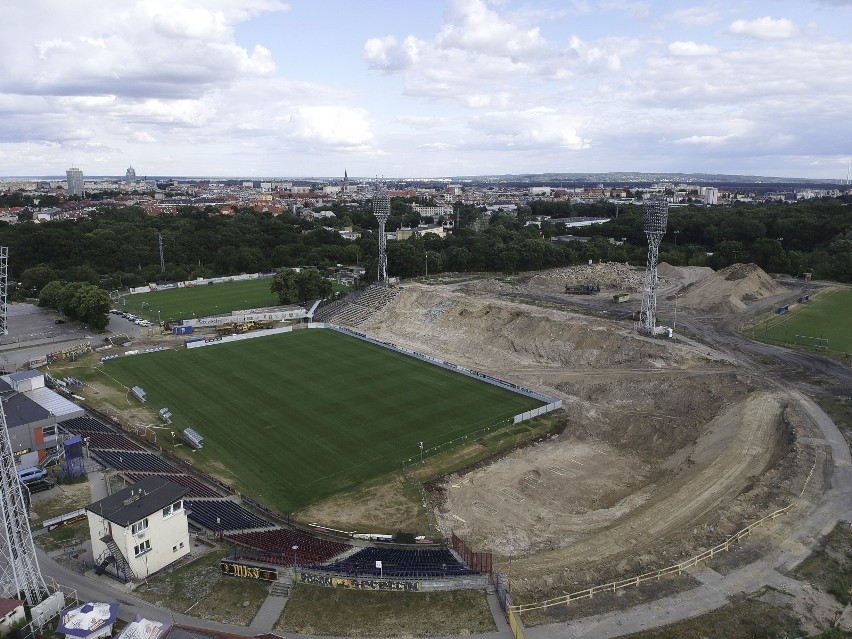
(583,289)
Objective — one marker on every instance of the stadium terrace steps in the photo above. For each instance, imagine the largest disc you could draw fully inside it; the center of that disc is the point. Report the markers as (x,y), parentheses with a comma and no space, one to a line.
(219,515)
(276,546)
(85,425)
(357,308)
(400,562)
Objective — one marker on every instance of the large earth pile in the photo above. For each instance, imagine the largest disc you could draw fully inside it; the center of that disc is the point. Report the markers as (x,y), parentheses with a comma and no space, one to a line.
(730,289)
(666,446)
(490,334)
(608,275)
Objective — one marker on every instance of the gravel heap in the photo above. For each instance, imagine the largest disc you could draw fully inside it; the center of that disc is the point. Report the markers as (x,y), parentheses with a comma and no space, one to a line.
(609,275)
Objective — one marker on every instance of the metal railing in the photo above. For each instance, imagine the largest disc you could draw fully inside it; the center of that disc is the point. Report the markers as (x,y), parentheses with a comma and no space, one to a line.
(674,569)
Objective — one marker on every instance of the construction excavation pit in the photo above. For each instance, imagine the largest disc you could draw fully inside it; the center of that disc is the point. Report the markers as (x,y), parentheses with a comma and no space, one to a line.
(663,448)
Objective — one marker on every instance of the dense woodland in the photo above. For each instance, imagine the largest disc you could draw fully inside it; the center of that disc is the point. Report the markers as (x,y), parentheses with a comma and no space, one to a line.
(117,248)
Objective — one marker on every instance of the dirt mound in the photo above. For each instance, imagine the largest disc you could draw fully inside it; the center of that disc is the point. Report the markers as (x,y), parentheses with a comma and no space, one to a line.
(488,334)
(731,289)
(609,275)
(684,274)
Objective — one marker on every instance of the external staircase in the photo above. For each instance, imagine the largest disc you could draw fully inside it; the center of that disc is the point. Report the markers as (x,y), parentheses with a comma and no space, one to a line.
(113,555)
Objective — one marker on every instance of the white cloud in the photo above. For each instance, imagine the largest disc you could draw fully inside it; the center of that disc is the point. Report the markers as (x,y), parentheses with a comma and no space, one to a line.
(422,121)
(705,139)
(143,48)
(763,28)
(386,54)
(471,25)
(535,127)
(143,137)
(690,49)
(435,146)
(695,16)
(331,125)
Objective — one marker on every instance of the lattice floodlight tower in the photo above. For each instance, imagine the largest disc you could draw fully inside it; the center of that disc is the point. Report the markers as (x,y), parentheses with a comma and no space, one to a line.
(4,287)
(655,220)
(381,209)
(19,571)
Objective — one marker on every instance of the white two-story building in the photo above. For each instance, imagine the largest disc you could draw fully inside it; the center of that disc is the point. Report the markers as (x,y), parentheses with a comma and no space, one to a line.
(140,529)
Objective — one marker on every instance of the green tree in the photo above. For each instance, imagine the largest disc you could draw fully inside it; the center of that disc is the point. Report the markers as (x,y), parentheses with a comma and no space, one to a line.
(284,285)
(311,285)
(91,305)
(82,274)
(66,299)
(49,295)
(36,278)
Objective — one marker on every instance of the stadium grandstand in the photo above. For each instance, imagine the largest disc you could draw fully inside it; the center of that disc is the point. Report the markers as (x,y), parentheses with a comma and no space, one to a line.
(196,487)
(400,562)
(110,441)
(134,461)
(219,515)
(276,546)
(84,425)
(356,308)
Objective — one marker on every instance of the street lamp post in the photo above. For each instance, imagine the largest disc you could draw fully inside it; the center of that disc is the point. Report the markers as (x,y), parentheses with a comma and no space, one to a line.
(421,452)
(295,548)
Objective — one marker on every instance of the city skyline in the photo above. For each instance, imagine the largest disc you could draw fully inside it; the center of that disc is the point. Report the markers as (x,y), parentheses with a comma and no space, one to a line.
(460,87)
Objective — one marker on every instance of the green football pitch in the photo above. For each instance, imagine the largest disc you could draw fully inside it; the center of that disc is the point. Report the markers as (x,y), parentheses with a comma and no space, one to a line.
(201,301)
(825,318)
(300,416)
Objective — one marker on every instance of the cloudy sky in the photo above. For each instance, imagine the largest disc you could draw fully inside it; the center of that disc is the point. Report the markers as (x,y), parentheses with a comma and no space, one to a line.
(425,87)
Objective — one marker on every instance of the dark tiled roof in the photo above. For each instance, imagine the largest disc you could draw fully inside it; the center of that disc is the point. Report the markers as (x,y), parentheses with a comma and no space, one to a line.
(19,408)
(138,501)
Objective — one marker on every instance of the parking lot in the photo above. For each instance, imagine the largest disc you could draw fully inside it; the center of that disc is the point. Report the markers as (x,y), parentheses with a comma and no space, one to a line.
(33,332)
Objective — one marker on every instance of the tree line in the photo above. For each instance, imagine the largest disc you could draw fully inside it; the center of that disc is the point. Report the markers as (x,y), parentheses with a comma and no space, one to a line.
(118,247)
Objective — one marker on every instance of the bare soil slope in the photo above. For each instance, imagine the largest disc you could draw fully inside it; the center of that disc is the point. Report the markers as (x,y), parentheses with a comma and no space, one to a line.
(485,333)
(665,447)
(730,289)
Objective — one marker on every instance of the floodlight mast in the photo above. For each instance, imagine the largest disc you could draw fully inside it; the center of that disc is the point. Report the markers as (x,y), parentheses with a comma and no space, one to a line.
(381,209)
(4,288)
(654,221)
(19,571)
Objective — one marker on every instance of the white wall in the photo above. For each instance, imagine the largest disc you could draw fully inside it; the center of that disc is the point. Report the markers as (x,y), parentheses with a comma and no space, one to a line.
(169,539)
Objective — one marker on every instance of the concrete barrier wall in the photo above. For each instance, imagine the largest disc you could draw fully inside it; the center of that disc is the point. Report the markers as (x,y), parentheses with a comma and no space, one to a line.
(243,317)
(213,341)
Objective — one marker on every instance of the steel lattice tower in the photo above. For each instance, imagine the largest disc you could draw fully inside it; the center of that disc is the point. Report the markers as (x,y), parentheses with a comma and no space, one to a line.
(381,209)
(655,219)
(19,571)
(4,287)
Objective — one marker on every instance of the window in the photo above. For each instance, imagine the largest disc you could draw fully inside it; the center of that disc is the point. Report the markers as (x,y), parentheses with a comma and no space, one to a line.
(181,544)
(168,511)
(174,548)
(139,526)
(142,548)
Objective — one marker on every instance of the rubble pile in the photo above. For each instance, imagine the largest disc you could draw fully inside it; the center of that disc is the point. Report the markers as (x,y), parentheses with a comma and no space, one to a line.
(609,275)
